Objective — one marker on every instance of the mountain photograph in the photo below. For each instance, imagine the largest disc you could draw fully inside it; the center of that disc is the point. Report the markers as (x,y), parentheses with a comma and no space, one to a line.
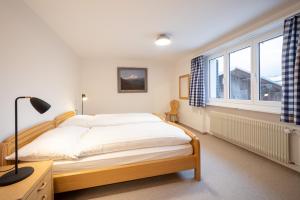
(132,79)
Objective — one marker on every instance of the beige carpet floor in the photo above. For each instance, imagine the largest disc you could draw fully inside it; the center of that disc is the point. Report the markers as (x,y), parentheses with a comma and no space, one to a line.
(228,172)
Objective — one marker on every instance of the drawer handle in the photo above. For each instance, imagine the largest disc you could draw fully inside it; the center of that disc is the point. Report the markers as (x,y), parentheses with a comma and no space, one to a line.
(44,197)
(44,184)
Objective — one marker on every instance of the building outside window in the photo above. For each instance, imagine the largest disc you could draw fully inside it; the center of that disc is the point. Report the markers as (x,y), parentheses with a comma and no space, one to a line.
(216,71)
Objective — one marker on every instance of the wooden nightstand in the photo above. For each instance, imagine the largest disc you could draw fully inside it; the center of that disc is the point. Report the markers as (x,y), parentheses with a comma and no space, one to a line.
(38,186)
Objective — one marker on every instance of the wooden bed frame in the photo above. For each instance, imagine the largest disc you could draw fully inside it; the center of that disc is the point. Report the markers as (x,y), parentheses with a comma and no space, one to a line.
(108,175)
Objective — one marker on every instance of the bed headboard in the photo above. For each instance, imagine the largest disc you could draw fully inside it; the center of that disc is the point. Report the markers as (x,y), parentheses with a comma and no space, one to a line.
(61,118)
(7,147)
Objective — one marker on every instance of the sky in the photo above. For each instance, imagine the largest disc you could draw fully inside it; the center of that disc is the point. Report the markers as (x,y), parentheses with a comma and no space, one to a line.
(132,74)
(241,59)
(270,59)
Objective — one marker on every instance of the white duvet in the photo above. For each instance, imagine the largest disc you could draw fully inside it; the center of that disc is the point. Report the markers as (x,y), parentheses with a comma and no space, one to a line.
(110,119)
(100,140)
(74,142)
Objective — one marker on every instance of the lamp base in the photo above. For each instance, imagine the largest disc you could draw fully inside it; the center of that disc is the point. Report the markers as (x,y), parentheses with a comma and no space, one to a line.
(11,178)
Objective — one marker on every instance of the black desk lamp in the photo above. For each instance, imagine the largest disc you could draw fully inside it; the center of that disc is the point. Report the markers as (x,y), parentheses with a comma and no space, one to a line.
(83,98)
(21,173)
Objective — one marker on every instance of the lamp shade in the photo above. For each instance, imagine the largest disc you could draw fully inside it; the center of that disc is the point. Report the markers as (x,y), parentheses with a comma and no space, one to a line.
(84,97)
(163,40)
(40,105)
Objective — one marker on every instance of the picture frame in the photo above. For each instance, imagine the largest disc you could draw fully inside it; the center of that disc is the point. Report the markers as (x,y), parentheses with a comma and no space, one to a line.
(184,86)
(132,80)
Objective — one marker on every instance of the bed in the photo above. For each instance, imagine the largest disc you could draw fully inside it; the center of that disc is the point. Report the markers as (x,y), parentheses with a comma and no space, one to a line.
(112,167)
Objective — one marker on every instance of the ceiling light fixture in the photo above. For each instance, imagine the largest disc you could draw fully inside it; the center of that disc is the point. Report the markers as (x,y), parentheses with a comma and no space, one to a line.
(162,40)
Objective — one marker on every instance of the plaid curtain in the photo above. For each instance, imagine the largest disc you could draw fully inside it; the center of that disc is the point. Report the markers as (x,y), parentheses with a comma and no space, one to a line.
(197,83)
(290,103)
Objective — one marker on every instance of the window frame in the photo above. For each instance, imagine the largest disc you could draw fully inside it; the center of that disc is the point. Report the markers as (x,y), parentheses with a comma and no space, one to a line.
(254,104)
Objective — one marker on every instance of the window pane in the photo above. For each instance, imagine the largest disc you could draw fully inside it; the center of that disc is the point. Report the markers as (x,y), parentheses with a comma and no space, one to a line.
(216,77)
(240,74)
(270,69)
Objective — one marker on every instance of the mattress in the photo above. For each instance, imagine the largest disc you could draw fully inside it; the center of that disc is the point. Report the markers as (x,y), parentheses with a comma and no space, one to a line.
(121,158)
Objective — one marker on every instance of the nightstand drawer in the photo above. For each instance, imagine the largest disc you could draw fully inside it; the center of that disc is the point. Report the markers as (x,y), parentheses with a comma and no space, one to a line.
(43,190)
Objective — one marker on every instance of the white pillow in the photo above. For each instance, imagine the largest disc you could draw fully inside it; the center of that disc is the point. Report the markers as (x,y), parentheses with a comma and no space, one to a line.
(78,120)
(56,144)
(122,118)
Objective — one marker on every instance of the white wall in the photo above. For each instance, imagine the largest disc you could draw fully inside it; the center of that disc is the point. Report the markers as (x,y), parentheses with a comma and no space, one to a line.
(34,62)
(99,82)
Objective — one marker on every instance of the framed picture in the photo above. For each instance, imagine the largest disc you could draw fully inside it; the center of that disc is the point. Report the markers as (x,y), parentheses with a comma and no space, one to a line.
(184,86)
(132,79)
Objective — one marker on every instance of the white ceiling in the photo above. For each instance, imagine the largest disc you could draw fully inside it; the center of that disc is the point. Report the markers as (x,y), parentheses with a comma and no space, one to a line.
(128,28)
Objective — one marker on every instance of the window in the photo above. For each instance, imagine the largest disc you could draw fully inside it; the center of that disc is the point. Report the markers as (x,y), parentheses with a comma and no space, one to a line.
(247,75)
(216,77)
(270,69)
(240,74)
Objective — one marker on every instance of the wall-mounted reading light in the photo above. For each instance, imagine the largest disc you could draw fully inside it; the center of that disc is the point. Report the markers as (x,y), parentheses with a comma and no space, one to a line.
(83,98)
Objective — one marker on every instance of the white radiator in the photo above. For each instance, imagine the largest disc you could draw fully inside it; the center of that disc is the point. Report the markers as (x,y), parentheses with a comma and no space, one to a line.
(265,138)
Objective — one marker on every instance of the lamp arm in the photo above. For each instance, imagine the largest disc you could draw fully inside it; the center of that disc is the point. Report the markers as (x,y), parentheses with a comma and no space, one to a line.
(16,131)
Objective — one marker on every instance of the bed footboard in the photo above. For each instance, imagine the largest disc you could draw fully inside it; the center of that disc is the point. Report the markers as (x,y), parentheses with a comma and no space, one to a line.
(197,150)
(116,174)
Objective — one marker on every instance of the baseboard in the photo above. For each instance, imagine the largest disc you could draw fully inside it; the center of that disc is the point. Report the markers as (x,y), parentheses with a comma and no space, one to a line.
(192,129)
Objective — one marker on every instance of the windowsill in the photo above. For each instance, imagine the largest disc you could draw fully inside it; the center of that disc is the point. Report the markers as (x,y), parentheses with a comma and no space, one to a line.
(258,106)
